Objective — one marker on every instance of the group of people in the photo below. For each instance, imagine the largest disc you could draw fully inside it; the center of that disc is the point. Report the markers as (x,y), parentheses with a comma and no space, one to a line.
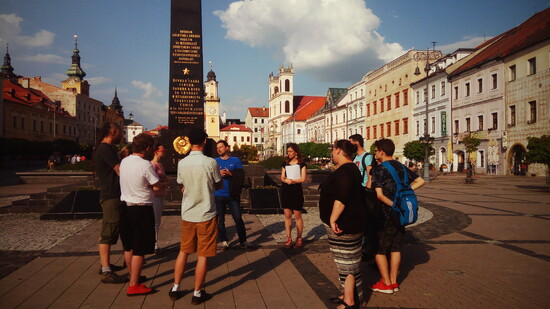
(133,186)
(354,227)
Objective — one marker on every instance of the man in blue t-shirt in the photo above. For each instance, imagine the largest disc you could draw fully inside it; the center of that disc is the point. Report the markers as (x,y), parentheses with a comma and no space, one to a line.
(363,163)
(232,172)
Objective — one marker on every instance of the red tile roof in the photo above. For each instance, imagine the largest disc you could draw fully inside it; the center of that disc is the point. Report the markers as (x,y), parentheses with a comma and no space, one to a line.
(236,127)
(259,111)
(534,30)
(30,97)
(307,106)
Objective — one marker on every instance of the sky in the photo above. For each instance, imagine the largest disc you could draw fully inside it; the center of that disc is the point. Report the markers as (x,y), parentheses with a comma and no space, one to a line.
(330,43)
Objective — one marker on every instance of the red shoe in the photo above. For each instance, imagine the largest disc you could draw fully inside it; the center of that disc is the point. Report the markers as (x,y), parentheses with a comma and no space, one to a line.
(381,287)
(139,289)
(395,287)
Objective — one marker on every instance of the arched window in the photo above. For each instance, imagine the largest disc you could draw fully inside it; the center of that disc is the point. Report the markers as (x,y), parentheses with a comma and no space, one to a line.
(287,106)
(276,90)
(287,85)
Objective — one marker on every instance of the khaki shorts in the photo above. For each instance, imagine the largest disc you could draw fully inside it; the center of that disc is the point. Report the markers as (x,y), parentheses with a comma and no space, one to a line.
(200,237)
(110,225)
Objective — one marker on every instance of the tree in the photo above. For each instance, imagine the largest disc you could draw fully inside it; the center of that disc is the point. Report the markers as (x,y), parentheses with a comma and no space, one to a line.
(416,151)
(470,144)
(315,150)
(245,152)
(538,150)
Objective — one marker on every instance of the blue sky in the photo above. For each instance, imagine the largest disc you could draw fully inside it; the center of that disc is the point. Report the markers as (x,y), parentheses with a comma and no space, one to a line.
(331,43)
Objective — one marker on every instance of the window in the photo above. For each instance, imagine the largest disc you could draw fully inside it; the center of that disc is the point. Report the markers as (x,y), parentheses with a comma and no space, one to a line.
(480,85)
(255,139)
(405,125)
(368,110)
(248,138)
(433,125)
(467,87)
(388,98)
(495,81)
(495,120)
(513,116)
(425,97)
(417,97)
(287,106)
(382,105)
(481,158)
(262,139)
(287,85)
(255,120)
(456,93)
(382,130)
(34,125)
(425,126)
(417,128)
(14,122)
(262,121)
(405,97)
(442,88)
(456,126)
(532,112)
(374,132)
(396,127)
(22,123)
(51,127)
(299,131)
(512,70)
(433,91)
(42,127)
(480,122)
(234,138)
(396,100)
(532,66)
(374,108)
(467,124)
(242,139)
(368,132)
(388,127)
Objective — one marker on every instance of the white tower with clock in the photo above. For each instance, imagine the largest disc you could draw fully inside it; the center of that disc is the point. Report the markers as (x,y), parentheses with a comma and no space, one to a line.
(212,106)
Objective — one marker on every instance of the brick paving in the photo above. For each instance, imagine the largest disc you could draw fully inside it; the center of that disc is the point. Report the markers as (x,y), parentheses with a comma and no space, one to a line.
(486,246)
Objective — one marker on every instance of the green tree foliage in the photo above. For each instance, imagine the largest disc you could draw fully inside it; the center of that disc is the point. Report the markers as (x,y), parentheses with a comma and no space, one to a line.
(471,143)
(538,149)
(245,152)
(416,151)
(275,162)
(312,150)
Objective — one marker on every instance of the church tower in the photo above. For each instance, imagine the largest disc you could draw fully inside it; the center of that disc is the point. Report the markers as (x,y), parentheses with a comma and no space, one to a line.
(212,106)
(116,106)
(75,81)
(7,69)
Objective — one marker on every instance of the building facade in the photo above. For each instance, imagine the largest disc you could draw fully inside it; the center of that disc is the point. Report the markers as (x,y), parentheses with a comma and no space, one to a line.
(236,135)
(212,106)
(281,106)
(257,120)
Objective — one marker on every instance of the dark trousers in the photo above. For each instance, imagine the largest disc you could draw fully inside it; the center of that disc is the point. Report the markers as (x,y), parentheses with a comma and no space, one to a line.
(234,207)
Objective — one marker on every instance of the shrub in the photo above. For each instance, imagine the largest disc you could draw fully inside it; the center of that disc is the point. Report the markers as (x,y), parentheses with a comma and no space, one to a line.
(275,162)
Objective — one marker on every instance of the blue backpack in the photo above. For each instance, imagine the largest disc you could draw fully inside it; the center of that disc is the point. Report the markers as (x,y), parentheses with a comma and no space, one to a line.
(405,204)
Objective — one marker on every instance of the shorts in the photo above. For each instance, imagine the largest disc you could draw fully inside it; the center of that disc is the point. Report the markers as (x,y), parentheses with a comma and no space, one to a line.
(138,230)
(390,238)
(200,237)
(110,225)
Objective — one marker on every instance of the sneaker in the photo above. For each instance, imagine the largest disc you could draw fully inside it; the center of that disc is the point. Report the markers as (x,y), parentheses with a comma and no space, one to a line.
(201,299)
(224,246)
(381,287)
(247,246)
(113,268)
(111,277)
(139,289)
(395,287)
(175,295)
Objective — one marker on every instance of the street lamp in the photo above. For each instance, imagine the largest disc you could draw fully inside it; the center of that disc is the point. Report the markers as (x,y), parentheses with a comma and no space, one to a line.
(427,140)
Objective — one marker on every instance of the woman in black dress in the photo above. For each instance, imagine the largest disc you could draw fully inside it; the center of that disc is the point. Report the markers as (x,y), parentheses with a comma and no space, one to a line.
(292,195)
(342,209)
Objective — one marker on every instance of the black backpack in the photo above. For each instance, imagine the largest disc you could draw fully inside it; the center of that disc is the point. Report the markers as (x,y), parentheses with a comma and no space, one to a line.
(374,163)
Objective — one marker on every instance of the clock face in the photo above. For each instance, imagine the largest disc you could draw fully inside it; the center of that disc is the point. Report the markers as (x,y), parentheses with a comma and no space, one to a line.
(71,82)
(212,110)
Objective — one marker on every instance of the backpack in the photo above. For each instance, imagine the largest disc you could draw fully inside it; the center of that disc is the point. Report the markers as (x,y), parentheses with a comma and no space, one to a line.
(373,163)
(405,204)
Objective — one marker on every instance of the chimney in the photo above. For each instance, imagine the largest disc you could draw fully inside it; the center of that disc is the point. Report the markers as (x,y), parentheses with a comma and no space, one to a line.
(25,82)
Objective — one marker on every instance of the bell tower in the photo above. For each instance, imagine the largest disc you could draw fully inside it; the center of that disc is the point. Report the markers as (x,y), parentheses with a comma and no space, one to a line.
(75,81)
(212,106)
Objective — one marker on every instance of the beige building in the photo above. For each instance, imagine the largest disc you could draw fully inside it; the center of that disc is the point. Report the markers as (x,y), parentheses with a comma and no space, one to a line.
(257,119)
(281,106)
(389,107)
(236,135)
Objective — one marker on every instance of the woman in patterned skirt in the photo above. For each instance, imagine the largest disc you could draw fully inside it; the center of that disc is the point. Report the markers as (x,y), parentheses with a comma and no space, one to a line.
(342,210)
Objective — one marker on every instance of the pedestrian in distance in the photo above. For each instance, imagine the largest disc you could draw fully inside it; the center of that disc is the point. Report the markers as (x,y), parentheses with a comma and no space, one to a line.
(106,165)
(200,177)
(293,174)
(392,233)
(232,172)
(137,180)
(159,191)
(342,210)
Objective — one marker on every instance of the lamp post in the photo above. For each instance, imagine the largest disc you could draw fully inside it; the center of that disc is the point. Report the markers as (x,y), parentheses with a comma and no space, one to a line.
(426,139)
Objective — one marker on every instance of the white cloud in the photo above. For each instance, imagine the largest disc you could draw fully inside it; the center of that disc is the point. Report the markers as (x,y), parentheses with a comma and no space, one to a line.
(467,42)
(149,109)
(11,32)
(55,79)
(45,58)
(333,40)
(95,81)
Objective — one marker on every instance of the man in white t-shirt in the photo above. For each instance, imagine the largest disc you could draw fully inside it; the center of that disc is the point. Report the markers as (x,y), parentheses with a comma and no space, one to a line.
(363,159)
(200,177)
(137,178)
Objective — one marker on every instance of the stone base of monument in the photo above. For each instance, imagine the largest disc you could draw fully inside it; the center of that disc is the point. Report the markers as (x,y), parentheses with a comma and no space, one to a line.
(76,205)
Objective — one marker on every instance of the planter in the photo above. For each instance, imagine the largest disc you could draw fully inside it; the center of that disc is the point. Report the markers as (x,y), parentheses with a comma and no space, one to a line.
(264,200)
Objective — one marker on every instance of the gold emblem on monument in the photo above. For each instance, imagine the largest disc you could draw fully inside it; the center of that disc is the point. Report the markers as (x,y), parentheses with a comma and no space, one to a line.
(182,145)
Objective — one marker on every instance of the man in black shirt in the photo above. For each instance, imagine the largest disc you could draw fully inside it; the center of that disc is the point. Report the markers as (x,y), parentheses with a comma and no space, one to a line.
(106,165)
(392,233)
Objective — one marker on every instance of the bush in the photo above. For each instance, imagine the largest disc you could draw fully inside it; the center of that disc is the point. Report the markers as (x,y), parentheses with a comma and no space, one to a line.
(275,162)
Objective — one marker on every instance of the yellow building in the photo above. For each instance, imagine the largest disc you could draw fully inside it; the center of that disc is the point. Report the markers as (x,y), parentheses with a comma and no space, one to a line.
(389,104)
(212,107)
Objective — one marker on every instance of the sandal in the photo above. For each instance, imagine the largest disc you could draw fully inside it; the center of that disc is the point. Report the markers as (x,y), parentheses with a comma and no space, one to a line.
(346,306)
(337,300)
(288,243)
(299,243)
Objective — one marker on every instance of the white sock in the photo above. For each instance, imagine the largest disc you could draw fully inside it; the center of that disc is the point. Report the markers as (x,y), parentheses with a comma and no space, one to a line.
(175,288)
(197,293)
(105,269)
